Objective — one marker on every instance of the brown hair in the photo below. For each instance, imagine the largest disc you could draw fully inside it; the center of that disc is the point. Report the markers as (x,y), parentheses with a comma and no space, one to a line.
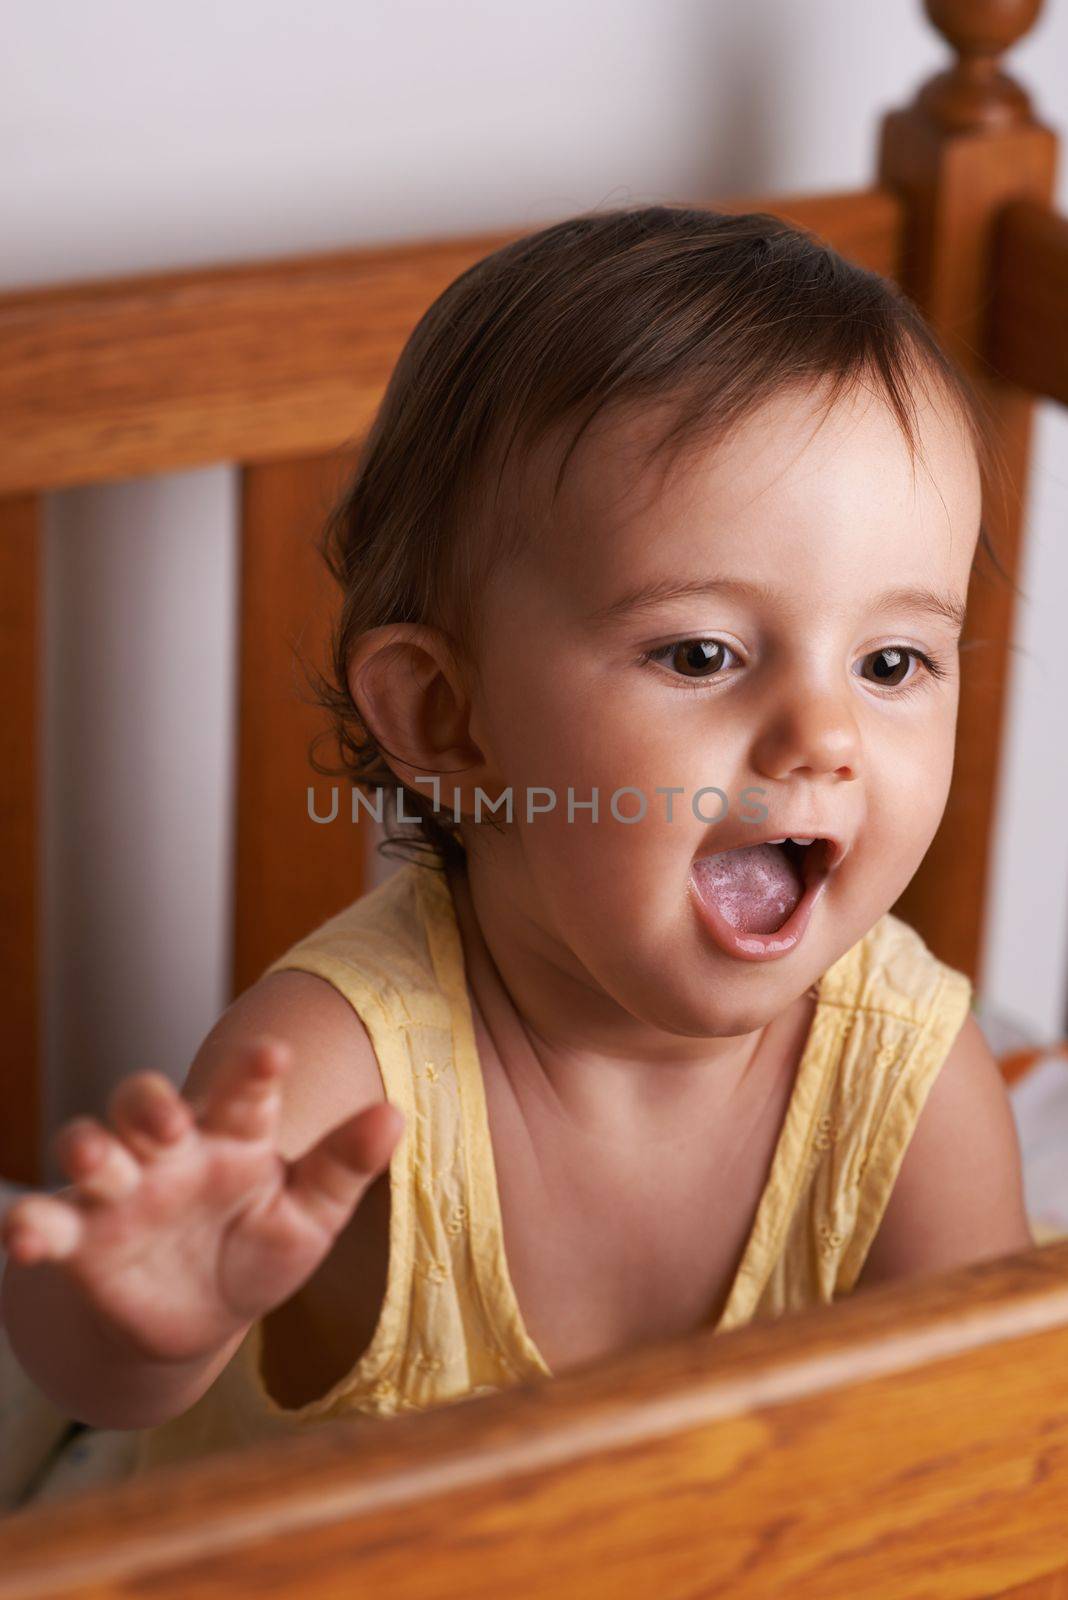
(711,312)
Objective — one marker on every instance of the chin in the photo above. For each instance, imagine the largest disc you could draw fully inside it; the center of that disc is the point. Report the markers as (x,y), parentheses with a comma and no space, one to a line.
(692,998)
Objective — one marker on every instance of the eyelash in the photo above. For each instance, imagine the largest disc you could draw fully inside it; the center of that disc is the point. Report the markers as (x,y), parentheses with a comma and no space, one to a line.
(934,668)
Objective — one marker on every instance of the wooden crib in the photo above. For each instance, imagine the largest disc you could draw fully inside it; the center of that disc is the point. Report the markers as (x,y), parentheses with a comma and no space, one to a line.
(911,1441)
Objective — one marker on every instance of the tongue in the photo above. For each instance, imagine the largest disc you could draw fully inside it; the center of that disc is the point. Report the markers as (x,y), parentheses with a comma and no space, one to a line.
(754,888)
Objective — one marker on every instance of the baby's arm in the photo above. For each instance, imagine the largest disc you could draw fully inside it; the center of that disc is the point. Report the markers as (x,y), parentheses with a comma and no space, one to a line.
(194,1214)
(959,1193)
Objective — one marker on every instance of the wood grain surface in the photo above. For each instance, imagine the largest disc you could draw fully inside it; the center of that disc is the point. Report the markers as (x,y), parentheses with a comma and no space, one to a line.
(911,1440)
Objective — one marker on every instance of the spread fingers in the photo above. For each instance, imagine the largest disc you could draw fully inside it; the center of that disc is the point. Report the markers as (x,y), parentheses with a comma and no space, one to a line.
(99,1163)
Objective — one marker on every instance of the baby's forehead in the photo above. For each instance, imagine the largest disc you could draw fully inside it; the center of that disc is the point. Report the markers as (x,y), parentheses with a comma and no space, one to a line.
(796,466)
(796,447)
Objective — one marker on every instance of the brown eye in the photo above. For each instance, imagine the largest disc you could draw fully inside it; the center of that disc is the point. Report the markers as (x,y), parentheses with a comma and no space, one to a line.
(698,658)
(891,665)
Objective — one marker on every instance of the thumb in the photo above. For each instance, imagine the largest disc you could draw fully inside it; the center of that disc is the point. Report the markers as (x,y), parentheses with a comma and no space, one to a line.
(330,1179)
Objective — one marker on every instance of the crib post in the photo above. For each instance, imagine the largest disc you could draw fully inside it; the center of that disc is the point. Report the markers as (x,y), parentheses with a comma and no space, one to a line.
(967,146)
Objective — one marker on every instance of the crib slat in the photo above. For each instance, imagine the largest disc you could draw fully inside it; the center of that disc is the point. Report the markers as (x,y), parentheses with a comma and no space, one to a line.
(290,872)
(909,1440)
(20,1119)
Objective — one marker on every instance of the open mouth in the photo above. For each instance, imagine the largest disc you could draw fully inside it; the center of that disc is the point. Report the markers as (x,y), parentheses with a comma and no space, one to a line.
(761,890)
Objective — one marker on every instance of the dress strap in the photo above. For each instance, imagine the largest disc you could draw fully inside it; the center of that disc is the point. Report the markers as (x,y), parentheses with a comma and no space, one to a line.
(517,1353)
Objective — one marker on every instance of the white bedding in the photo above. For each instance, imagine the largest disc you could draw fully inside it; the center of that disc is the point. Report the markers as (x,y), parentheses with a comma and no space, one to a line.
(44,1456)
(1040,1102)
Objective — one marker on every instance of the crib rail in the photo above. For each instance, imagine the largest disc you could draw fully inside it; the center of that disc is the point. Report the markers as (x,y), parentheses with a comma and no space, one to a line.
(910,1440)
(102,381)
(107,380)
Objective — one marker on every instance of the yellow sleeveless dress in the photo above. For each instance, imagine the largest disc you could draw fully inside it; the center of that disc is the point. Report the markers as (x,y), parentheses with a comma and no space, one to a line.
(450,1326)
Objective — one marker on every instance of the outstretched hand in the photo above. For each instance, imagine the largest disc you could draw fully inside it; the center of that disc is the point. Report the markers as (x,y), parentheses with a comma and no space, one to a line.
(184,1223)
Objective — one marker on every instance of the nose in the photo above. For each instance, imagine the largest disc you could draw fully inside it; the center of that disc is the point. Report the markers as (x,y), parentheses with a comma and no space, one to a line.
(808,733)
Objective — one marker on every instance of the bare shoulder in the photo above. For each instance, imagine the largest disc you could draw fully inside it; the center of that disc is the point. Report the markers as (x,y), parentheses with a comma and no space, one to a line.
(334,1072)
(959,1191)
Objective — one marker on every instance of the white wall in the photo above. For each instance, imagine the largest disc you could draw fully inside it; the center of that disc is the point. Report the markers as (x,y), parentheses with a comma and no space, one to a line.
(150,136)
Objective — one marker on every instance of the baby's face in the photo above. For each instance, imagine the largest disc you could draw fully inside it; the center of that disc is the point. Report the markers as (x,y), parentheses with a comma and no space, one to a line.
(782,689)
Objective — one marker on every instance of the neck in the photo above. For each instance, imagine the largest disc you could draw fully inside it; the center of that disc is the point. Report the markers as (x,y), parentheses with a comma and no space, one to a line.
(559,1037)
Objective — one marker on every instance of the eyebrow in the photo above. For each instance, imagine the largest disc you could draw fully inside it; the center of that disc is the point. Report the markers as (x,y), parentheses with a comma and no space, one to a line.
(646,595)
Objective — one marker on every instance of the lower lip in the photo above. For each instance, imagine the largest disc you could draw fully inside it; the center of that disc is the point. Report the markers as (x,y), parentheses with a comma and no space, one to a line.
(761,946)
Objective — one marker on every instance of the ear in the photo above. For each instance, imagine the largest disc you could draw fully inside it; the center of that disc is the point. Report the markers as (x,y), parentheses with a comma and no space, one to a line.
(412,694)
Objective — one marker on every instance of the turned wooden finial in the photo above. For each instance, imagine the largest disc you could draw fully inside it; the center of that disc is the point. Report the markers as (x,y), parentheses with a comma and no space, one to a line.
(974,93)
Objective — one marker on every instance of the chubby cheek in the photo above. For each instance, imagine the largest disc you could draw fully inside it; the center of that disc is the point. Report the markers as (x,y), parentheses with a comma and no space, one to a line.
(559,738)
(906,788)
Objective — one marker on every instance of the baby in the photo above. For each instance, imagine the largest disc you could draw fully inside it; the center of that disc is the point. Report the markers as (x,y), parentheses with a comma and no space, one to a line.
(653,568)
